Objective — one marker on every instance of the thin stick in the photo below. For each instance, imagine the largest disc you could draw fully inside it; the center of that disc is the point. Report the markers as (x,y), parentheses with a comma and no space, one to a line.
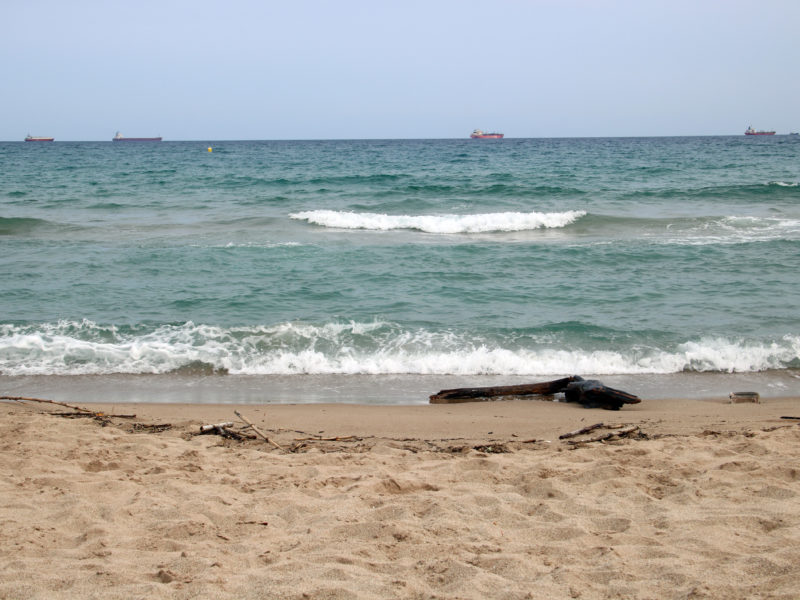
(346,438)
(793,418)
(580,431)
(24,399)
(254,428)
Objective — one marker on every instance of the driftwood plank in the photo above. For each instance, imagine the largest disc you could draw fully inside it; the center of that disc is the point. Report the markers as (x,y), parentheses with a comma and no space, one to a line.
(546,388)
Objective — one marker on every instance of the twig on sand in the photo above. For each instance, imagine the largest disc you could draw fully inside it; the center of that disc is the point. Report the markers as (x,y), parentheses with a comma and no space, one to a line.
(77,409)
(26,399)
(90,415)
(793,418)
(152,428)
(345,438)
(607,436)
(254,428)
(580,431)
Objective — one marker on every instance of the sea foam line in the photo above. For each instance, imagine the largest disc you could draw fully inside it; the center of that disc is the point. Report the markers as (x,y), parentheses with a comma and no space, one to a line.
(448,224)
(73,348)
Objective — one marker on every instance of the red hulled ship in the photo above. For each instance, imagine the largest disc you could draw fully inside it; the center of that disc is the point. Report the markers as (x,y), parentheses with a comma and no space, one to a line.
(480,135)
(751,131)
(38,138)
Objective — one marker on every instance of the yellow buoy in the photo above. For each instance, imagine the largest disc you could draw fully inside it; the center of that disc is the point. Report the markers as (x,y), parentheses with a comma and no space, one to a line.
(209,148)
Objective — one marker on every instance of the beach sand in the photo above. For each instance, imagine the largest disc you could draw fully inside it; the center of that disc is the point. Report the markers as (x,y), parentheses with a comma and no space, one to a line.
(467,501)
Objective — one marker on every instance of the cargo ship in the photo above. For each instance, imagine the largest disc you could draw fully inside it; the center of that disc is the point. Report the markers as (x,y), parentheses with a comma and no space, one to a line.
(751,131)
(38,138)
(480,135)
(120,138)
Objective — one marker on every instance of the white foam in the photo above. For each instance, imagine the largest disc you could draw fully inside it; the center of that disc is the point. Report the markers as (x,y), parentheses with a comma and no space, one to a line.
(73,348)
(444,224)
(735,230)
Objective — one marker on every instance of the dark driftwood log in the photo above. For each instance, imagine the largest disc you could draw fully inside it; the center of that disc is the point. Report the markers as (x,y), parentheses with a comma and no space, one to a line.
(593,394)
(590,393)
(546,388)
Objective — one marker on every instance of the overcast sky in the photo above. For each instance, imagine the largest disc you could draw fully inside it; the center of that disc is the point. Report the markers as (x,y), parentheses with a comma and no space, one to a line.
(314,69)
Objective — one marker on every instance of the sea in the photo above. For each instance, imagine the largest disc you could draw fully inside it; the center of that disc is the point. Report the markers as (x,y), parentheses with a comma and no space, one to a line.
(382,271)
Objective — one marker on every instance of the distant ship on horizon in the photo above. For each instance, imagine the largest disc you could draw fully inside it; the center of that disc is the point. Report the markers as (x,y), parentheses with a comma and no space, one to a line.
(751,131)
(480,135)
(120,138)
(37,138)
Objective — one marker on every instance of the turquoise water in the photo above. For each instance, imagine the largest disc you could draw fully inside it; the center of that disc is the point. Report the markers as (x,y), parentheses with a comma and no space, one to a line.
(506,258)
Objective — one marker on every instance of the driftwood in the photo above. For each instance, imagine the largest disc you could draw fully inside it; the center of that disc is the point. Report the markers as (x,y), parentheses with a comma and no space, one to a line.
(152,427)
(593,394)
(338,438)
(254,428)
(793,418)
(222,429)
(588,392)
(580,431)
(547,388)
(607,436)
(79,410)
(216,427)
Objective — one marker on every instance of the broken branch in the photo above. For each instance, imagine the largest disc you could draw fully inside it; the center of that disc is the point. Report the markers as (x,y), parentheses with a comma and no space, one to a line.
(607,436)
(580,431)
(254,428)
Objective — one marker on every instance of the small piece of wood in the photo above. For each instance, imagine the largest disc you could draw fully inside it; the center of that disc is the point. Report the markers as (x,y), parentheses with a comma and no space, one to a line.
(346,438)
(793,418)
(211,428)
(607,436)
(580,431)
(152,428)
(254,428)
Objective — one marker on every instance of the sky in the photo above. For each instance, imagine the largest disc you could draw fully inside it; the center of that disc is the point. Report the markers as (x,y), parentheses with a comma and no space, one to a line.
(387,69)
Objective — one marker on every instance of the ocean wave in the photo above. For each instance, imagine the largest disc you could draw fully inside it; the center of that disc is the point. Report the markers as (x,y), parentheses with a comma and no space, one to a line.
(377,348)
(22,225)
(732,230)
(783,183)
(446,224)
(749,193)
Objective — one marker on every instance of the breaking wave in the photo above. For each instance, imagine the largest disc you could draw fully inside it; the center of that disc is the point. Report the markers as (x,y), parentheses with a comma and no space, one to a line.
(446,224)
(378,348)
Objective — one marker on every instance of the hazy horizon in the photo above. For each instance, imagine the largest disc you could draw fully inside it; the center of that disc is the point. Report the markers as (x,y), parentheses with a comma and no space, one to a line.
(247,70)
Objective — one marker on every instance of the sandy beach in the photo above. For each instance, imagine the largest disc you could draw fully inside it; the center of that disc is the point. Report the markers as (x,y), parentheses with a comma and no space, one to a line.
(700,499)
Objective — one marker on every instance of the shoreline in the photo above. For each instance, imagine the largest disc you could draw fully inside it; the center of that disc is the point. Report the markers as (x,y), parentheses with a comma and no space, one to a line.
(396,389)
